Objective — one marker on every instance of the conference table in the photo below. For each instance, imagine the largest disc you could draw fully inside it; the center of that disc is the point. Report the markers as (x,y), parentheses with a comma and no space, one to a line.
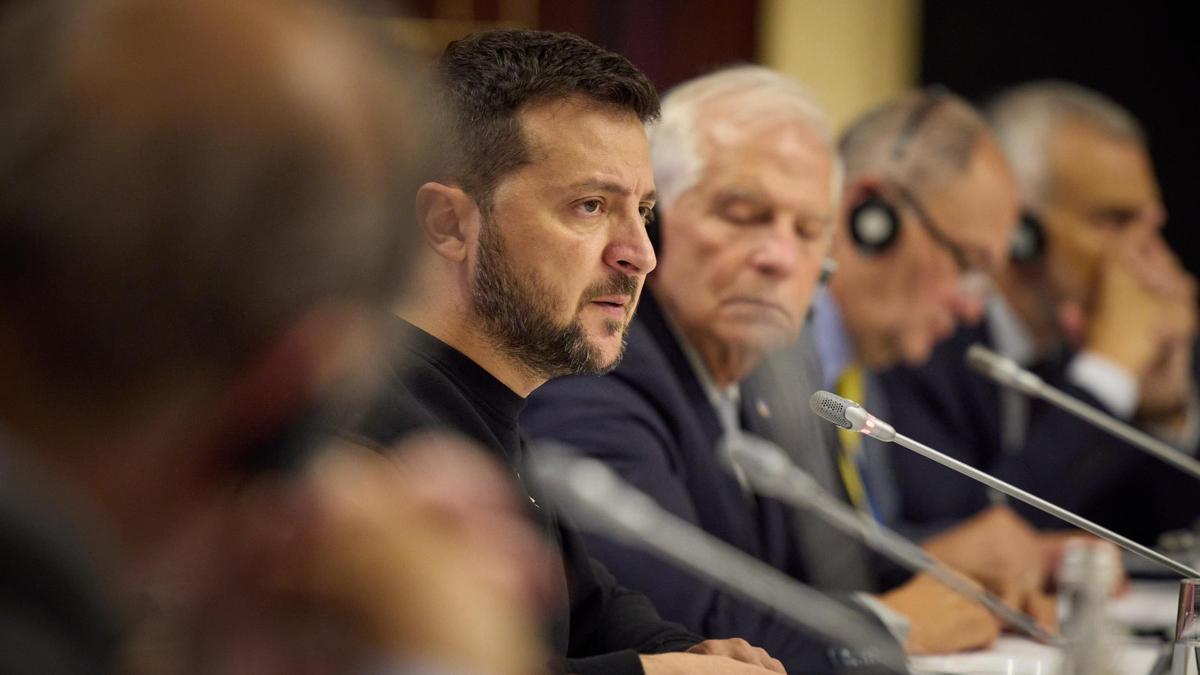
(1146,614)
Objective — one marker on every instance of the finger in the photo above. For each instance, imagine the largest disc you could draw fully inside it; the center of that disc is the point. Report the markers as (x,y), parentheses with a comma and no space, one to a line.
(1012,597)
(1072,321)
(1044,609)
(775,666)
(762,658)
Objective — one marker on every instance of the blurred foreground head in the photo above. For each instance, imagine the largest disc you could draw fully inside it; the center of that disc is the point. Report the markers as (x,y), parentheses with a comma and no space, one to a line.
(199,201)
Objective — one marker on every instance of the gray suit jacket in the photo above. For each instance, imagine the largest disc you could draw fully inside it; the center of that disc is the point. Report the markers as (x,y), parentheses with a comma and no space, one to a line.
(775,406)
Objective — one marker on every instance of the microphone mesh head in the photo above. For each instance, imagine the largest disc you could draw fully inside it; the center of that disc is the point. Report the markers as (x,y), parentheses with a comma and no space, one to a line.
(831,407)
(981,358)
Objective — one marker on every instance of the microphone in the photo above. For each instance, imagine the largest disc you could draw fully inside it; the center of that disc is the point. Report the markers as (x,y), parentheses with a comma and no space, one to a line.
(1007,373)
(771,473)
(599,500)
(854,417)
(849,415)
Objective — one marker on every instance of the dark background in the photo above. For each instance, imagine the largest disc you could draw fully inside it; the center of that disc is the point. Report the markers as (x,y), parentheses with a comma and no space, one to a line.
(1143,55)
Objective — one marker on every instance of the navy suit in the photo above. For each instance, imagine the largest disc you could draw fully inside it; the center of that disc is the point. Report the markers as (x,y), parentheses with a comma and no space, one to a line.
(651,420)
(1063,459)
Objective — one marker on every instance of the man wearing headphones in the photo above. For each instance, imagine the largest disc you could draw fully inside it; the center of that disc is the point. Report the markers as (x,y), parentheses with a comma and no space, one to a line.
(1095,303)
(749,184)
(929,211)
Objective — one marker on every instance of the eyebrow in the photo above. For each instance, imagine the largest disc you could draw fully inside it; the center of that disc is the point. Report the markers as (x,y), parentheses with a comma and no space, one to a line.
(610,186)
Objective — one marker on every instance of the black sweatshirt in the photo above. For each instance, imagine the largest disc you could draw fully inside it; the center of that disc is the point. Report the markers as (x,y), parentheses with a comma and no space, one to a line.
(430,385)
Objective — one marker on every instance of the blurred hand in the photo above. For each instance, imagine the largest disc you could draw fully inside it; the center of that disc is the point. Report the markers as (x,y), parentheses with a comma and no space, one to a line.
(739,650)
(371,559)
(1144,318)
(998,549)
(941,620)
(680,663)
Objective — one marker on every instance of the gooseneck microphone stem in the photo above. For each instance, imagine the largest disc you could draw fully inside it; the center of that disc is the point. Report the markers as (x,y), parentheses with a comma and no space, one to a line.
(1043,505)
(1007,373)
(594,496)
(1122,430)
(772,474)
(850,415)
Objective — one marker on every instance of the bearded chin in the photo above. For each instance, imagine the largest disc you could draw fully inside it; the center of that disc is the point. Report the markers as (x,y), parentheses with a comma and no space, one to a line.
(517,312)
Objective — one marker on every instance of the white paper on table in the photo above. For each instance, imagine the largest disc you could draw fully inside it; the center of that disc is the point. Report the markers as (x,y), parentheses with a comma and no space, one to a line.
(1149,605)
(1012,655)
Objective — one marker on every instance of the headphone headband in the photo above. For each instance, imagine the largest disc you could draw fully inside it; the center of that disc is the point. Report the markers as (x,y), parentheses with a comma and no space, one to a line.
(933,96)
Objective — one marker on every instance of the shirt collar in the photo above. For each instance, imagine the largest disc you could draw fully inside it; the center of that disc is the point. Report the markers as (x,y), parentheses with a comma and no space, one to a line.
(716,395)
(487,391)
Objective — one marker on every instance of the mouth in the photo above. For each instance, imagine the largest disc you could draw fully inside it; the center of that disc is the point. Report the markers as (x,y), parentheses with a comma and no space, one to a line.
(615,306)
(745,301)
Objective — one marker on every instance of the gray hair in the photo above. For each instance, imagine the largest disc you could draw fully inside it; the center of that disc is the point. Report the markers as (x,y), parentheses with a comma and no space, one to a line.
(163,207)
(1026,118)
(764,95)
(937,149)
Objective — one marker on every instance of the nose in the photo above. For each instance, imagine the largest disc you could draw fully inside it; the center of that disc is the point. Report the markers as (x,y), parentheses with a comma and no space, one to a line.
(1156,216)
(956,296)
(630,251)
(777,253)
(967,308)
(970,297)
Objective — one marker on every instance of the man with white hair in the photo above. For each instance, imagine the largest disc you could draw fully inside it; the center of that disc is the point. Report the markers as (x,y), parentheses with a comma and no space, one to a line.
(1096,302)
(748,179)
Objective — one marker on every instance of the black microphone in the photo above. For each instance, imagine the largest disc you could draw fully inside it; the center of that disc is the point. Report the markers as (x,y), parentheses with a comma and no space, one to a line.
(597,499)
(1007,373)
(850,415)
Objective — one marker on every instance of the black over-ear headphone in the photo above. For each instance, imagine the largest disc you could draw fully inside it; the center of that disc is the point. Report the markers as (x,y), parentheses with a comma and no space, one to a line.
(1029,240)
(874,221)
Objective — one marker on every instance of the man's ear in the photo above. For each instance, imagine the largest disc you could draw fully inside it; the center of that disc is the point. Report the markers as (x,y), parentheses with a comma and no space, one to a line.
(448,218)
(860,189)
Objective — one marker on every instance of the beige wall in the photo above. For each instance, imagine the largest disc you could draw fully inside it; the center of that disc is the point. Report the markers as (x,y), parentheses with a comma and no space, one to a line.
(852,54)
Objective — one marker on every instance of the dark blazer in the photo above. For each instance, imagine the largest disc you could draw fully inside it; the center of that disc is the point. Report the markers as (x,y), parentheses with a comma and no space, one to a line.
(652,422)
(1063,460)
(602,626)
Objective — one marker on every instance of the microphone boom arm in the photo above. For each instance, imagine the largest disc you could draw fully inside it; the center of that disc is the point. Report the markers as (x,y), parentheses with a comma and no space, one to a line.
(850,415)
(600,500)
(772,474)
(1007,373)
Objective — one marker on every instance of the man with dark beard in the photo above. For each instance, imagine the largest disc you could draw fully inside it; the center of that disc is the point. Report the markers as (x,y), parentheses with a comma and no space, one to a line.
(538,251)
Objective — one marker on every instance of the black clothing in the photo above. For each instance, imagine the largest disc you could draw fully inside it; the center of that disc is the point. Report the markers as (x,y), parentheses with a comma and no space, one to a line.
(54,617)
(1062,459)
(430,385)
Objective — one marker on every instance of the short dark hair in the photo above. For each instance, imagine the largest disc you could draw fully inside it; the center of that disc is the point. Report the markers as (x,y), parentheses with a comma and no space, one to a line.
(488,77)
